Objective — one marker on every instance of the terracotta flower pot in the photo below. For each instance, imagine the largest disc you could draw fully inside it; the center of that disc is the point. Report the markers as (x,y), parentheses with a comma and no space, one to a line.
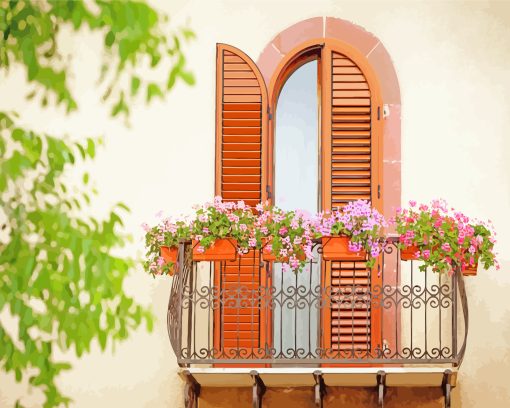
(169,254)
(409,253)
(224,249)
(471,270)
(337,248)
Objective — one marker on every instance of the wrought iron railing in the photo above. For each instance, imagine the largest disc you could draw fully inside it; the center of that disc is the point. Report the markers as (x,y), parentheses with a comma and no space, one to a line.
(333,313)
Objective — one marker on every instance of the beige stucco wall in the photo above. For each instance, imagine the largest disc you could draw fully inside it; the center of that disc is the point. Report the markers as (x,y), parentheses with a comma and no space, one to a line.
(452,60)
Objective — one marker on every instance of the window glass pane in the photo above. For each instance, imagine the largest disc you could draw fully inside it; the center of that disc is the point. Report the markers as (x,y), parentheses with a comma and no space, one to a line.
(296,313)
(297,142)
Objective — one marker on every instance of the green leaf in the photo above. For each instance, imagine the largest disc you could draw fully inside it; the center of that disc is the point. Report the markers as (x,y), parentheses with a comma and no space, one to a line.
(109,39)
(187,77)
(135,85)
(153,90)
(91,148)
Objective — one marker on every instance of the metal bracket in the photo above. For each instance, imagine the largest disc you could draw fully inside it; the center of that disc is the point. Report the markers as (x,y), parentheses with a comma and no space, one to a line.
(381,387)
(447,388)
(319,387)
(259,389)
(191,390)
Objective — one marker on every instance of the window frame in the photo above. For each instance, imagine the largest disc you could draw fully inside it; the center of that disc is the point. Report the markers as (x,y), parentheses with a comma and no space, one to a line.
(319,49)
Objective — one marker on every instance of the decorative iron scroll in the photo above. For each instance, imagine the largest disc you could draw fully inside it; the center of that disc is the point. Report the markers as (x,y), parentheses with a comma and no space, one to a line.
(423,315)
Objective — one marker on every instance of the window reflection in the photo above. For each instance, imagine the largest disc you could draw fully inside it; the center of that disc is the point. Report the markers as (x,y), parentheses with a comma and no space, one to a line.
(296,186)
(297,142)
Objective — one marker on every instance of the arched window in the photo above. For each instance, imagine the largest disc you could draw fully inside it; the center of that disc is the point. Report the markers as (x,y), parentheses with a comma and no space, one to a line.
(308,132)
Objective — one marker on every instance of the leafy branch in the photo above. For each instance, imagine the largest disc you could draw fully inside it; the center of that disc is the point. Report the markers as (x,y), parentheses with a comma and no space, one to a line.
(61,278)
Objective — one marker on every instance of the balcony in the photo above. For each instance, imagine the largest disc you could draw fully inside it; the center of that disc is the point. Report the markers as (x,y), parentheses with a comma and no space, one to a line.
(336,323)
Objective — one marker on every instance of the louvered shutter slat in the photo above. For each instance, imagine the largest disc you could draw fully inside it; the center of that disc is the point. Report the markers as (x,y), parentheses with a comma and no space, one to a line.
(349,104)
(241,110)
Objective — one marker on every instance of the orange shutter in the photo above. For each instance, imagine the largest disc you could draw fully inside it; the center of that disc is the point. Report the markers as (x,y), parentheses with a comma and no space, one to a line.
(351,170)
(241,128)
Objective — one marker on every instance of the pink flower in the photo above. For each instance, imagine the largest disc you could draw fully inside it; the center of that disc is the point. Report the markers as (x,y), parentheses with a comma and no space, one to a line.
(412,203)
(233,218)
(426,254)
(354,246)
(160,261)
(472,249)
(283,231)
(446,247)
(200,249)
(146,227)
(252,242)
(294,263)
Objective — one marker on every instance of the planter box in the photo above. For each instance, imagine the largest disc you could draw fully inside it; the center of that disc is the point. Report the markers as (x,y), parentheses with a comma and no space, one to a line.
(169,254)
(337,248)
(222,250)
(409,253)
(471,270)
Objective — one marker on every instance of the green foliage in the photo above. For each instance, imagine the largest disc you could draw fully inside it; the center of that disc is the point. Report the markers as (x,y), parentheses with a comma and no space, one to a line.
(446,239)
(133,35)
(166,233)
(61,278)
(58,272)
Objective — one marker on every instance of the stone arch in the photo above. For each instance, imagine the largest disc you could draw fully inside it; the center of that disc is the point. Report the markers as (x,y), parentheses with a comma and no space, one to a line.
(377,56)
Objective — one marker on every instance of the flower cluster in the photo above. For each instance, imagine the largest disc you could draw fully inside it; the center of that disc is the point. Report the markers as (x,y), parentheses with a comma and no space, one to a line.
(445,238)
(287,235)
(222,219)
(360,222)
(167,233)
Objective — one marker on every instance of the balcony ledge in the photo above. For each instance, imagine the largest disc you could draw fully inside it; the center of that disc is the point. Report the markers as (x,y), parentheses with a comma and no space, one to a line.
(332,376)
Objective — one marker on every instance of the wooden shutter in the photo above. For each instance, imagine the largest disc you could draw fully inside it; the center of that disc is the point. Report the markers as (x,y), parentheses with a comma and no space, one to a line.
(351,131)
(241,128)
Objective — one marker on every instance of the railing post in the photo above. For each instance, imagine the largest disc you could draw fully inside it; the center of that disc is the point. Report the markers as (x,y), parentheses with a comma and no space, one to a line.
(454,313)
(190,308)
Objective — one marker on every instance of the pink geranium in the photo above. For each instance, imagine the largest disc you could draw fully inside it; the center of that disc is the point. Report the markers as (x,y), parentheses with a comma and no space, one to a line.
(447,238)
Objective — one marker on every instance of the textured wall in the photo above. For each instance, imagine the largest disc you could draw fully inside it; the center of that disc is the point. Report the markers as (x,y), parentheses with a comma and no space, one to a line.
(452,61)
